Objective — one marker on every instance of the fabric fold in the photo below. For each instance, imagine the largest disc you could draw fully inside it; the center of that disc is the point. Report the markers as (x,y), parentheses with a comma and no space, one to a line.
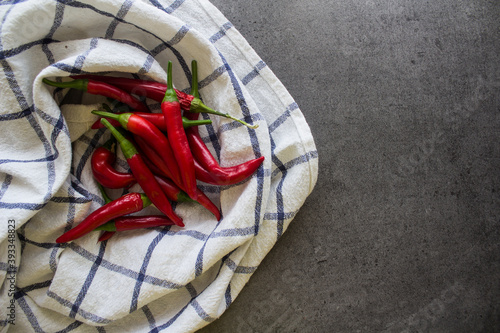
(163,279)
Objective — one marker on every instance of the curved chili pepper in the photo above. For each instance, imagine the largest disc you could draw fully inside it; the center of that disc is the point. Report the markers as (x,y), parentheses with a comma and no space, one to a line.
(156,91)
(102,168)
(143,88)
(102,89)
(156,119)
(222,175)
(154,138)
(105,236)
(143,175)
(174,193)
(135,222)
(171,109)
(129,203)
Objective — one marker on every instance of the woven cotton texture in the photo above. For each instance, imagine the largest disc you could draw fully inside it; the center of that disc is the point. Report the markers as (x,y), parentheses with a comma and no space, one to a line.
(162,279)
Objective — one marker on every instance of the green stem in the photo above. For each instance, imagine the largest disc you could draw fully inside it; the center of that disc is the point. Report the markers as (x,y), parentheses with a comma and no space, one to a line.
(127,147)
(79,84)
(108,226)
(198,106)
(105,196)
(170,94)
(194,80)
(145,200)
(190,123)
(121,117)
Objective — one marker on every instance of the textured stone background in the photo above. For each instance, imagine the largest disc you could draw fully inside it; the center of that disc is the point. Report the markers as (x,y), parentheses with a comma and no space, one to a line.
(401,233)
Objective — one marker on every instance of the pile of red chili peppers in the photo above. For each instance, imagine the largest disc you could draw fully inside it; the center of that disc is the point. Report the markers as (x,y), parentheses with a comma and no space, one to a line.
(165,153)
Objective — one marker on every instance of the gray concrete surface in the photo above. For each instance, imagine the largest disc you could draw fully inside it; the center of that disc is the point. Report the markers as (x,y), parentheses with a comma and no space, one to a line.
(401,233)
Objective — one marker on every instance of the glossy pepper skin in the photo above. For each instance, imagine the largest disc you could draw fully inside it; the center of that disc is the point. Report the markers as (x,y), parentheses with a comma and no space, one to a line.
(154,138)
(144,176)
(176,194)
(102,162)
(171,109)
(144,88)
(156,91)
(217,175)
(156,119)
(127,204)
(136,222)
(102,89)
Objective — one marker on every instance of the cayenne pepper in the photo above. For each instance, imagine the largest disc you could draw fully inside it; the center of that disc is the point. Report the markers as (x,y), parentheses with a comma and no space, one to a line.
(143,175)
(156,91)
(154,138)
(103,89)
(102,168)
(171,109)
(156,119)
(127,204)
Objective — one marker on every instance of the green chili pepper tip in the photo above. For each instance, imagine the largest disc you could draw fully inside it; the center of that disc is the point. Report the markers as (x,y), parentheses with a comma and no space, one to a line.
(127,147)
(194,80)
(80,84)
(145,200)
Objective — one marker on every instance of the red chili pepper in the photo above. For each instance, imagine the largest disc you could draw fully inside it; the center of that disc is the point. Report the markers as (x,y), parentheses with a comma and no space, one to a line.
(135,222)
(143,175)
(105,236)
(102,89)
(152,136)
(102,162)
(156,119)
(127,204)
(222,175)
(143,88)
(156,91)
(174,193)
(171,109)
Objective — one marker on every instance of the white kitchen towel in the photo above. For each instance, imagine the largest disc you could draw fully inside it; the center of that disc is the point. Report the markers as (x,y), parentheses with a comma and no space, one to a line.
(163,279)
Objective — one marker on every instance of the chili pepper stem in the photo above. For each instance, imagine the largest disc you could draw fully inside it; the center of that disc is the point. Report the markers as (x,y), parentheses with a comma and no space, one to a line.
(194,80)
(80,84)
(128,148)
(198,107)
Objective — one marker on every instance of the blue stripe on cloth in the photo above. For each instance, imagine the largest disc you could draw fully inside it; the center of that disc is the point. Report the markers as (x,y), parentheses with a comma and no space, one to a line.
(296,161)
(21,205)
(170,9)
(85,314)
(149,316)
(29,315)
(88,152)
(16,115)
(74,325)
(279,189)
(254,73)
(253,140)
(5,184)
(281,119)
(221,33)
(119,16)
(142,272)
(88,281)
(5,54)
(227,296)
(21,292)
(80,59)
(100,329)
(201,312)
(56,24)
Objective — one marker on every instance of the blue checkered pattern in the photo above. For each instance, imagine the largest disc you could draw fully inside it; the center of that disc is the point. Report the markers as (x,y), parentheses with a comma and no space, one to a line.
(162,279)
